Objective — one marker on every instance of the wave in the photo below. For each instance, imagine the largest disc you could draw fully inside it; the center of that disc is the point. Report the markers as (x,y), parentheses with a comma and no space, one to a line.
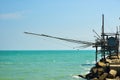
(87,64)
(6,63)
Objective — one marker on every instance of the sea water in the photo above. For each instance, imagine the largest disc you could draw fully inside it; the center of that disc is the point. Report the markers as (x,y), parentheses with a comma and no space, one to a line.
(45,64)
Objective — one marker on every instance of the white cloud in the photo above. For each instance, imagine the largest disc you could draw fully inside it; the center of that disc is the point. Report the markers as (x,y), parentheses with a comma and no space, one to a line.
(15,15)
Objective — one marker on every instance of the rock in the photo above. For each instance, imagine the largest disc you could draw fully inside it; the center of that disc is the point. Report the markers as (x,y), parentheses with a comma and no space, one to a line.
(113,72)
(103,76)
(90,76)
(102,64)
(117,78)
(82,76)
(95,79)
(93,70)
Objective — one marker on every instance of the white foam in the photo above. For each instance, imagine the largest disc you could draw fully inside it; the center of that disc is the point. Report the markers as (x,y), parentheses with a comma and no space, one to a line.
(76,76)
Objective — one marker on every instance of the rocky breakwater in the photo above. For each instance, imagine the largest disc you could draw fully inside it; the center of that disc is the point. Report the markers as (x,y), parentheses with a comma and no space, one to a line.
(105,69)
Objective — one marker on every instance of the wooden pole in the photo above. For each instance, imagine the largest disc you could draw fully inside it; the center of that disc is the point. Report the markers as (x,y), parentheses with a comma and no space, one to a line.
(96,54)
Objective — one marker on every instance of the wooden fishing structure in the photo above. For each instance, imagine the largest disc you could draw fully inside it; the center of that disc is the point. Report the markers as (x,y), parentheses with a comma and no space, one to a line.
(108,67)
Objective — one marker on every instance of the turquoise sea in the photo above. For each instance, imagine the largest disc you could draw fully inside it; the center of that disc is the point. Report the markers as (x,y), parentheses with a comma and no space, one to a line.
(45,64)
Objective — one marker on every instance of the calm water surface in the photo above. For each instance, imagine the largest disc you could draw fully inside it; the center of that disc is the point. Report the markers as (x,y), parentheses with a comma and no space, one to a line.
(45,65)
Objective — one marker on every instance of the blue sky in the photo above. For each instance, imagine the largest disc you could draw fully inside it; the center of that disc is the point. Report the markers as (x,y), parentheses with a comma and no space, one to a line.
(63,18)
